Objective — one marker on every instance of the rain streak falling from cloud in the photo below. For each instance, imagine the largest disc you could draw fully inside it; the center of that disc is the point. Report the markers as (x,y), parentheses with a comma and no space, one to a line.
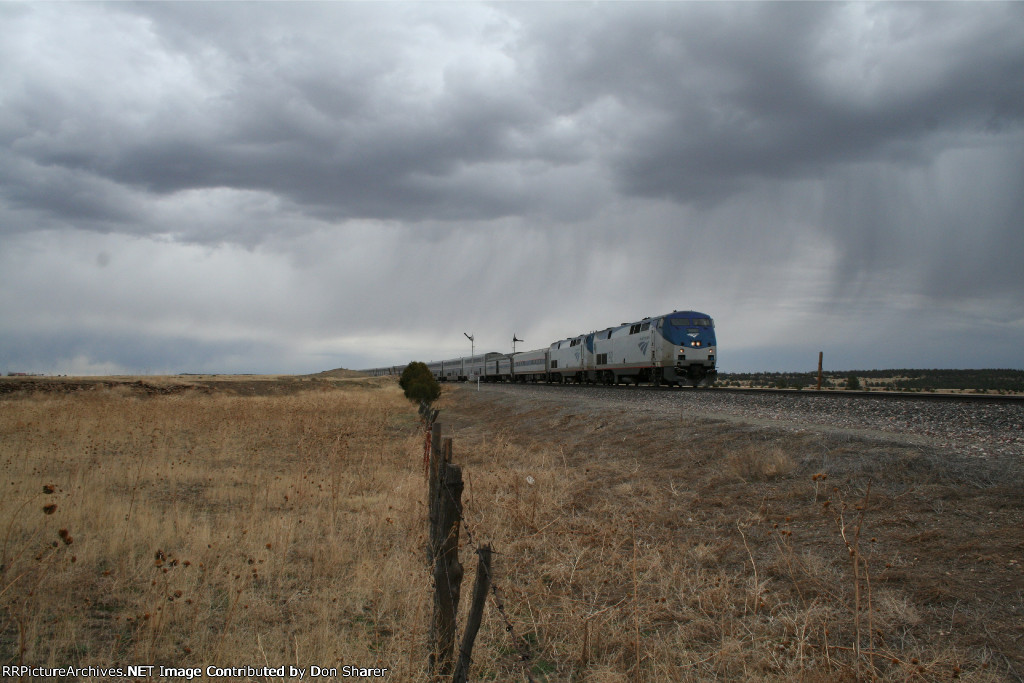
(190,187)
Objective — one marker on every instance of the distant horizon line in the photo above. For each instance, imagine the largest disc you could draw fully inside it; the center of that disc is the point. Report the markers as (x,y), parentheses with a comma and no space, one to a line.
(812,371)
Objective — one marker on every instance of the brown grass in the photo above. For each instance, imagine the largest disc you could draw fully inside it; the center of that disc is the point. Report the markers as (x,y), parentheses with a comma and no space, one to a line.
(210,529)
(210,526)
(686,550)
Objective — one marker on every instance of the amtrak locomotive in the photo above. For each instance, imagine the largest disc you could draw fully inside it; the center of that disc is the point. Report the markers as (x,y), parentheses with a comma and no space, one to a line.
(672,349)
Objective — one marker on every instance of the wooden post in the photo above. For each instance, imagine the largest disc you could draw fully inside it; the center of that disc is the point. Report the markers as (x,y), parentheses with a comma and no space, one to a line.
(434,470)
(476,611)
(820,354)
(429,416)
(447,570)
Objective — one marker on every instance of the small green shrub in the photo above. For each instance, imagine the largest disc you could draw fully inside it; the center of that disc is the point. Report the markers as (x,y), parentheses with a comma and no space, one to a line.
(419,384)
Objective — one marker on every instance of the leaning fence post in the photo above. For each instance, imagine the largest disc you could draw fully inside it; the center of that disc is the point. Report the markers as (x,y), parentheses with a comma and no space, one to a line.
(447,570)
(476,610)
(434,471)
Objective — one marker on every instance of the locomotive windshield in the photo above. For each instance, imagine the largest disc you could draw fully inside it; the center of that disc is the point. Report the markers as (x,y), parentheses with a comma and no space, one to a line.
(688,322)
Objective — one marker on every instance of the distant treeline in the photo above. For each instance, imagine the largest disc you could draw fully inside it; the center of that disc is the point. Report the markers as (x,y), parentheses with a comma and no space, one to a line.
(896,379)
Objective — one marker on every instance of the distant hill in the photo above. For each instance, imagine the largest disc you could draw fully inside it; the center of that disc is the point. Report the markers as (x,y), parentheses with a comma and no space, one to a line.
(340,373)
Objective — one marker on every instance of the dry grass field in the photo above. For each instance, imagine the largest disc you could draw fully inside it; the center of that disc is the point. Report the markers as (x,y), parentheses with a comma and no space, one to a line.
(654,549)
(143,524)
(282,521)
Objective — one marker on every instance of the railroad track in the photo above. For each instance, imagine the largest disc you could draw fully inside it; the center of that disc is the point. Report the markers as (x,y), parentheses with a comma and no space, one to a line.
(880,395)
(804,393)
(979,425)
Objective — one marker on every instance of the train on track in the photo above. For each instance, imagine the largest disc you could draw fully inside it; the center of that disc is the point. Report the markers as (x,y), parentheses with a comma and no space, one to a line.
(673,349)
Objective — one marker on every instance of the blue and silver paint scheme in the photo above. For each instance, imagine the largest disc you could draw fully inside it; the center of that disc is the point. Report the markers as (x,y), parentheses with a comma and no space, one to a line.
(569,359)
(675,348)
(688,346)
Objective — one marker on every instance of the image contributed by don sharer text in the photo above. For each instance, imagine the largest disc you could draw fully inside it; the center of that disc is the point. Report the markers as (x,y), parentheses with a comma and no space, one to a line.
(140,671)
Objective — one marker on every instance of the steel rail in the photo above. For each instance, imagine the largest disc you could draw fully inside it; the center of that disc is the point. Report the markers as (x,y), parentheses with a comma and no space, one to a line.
(881,395)
(797,393)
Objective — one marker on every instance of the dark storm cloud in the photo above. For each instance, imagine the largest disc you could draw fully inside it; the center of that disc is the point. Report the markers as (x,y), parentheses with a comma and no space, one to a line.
(733,94)
(322,107)
(898,126)
(956,223)
(325,105)
(295,172)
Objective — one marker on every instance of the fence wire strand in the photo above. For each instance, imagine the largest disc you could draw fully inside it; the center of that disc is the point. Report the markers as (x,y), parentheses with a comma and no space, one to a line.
(525,657)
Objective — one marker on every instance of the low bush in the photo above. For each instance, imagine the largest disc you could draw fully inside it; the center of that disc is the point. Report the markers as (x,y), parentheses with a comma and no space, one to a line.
(419,384)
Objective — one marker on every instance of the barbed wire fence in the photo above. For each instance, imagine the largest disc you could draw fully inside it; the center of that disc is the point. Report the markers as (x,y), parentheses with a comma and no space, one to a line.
(445,487)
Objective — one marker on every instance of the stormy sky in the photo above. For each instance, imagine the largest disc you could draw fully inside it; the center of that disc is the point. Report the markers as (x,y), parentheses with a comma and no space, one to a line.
(295,187)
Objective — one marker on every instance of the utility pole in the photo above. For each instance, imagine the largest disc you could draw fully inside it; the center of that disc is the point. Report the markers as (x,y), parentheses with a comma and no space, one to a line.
(820,354)
(471,339)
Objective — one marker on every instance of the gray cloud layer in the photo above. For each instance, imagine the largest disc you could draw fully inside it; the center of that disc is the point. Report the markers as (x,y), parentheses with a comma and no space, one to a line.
(292,175)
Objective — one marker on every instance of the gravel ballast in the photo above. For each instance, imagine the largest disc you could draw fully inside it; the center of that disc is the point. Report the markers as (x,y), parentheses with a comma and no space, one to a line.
(969,428)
